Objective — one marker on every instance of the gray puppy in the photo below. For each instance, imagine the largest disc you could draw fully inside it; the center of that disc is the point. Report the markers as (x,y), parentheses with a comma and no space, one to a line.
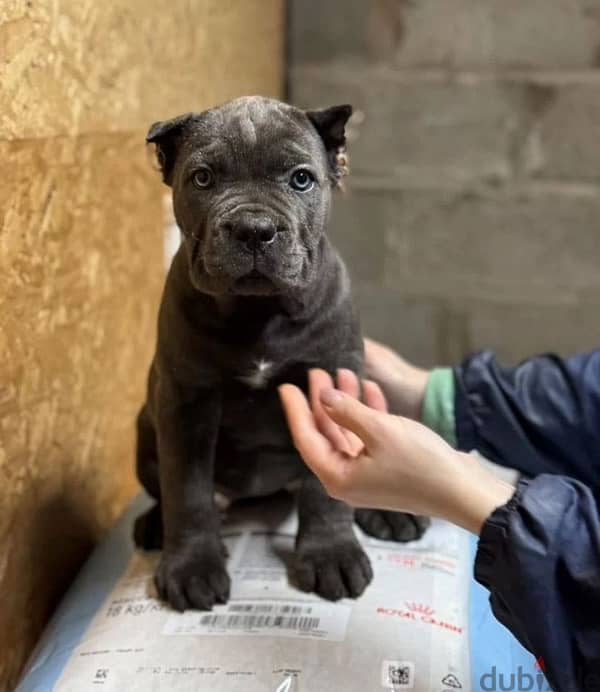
(256,295)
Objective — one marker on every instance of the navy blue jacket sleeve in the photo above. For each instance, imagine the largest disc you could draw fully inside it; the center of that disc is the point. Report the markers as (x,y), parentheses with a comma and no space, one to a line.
(542,416)
(539,556)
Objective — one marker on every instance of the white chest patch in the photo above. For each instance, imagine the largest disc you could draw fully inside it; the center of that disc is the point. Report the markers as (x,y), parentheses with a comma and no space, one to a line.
(259,376)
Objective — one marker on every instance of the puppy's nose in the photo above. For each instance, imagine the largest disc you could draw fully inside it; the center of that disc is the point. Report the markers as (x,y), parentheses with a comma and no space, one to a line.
(254,232)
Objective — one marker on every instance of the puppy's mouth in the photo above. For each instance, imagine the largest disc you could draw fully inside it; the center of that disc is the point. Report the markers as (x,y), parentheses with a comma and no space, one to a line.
(253,282)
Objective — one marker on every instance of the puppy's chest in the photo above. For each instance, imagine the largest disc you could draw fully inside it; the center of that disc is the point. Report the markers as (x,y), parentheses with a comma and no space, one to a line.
(257,373)
(251,405)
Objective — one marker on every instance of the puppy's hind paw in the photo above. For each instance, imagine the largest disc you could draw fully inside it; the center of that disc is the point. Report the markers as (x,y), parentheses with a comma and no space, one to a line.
(391,526)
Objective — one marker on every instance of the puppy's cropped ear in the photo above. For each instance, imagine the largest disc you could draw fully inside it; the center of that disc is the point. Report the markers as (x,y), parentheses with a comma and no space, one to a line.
(330,123)
(165,135)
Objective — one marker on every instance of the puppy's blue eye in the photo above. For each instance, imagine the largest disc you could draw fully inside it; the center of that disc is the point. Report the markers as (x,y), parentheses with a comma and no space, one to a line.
(302,180)
(203,178)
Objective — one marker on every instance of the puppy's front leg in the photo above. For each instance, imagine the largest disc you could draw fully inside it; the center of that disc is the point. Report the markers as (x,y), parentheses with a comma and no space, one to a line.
(329,559)
(191,573)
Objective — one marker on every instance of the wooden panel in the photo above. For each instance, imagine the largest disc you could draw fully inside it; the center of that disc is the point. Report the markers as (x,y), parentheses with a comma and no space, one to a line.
(86,66)
(81,258)
(80,275)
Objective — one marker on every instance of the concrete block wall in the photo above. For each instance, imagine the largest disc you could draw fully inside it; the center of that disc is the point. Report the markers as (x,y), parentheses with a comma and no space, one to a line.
(472,214)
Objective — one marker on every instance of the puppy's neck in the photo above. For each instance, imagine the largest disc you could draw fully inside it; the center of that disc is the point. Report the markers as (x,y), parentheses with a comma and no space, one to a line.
(250,308)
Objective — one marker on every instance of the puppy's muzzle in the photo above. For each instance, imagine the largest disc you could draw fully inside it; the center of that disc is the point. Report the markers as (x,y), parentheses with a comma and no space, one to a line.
(251,231)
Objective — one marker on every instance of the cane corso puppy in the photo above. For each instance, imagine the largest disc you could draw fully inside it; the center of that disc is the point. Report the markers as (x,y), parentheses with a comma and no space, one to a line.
(256,295)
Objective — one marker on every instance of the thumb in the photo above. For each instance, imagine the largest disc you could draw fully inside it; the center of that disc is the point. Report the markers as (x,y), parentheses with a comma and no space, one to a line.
(351,414)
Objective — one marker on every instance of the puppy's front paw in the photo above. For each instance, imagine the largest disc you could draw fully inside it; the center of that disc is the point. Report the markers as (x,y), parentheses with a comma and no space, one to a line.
(391,526)
(193,578)
(341,570)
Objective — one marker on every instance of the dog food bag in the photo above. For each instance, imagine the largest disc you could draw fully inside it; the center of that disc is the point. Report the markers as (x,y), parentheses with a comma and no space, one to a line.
(409,630)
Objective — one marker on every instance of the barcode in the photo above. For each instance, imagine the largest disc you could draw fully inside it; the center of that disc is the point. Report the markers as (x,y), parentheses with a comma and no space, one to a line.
(302,623)
(264,618)
(269,608)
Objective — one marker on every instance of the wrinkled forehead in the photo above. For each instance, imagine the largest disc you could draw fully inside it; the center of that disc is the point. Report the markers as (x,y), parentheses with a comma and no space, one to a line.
(255,131)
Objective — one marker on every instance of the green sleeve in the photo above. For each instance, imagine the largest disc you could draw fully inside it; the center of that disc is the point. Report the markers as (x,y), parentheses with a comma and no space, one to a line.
(438,405)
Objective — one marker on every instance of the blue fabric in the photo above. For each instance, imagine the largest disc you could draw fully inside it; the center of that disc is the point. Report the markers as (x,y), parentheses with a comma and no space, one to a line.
(542,416)
(539,555)
(495,654)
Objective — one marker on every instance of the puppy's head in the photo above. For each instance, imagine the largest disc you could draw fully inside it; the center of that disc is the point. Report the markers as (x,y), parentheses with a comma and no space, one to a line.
(252,183)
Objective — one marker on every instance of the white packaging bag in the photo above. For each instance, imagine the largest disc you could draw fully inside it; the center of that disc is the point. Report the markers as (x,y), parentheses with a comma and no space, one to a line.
(409,630)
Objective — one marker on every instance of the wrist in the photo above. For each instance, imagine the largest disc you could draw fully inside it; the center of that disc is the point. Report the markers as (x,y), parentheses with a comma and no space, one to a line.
(411,384)
(474,495)
(419,379)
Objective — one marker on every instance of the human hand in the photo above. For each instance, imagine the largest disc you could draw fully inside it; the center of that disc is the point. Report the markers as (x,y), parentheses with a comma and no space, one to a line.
(402,383)
(385,461)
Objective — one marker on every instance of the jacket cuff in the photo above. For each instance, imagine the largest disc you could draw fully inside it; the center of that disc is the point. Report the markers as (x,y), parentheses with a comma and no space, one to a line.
(438,404)
(493,535)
